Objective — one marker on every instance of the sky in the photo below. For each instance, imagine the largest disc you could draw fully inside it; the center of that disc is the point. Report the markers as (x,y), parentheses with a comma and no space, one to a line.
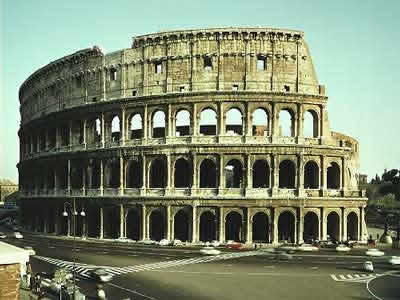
(354,45)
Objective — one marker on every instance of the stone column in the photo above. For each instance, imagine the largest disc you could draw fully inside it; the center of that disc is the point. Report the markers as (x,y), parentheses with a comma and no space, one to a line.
(300,218)
(221,225)
(101,233)
(101,178)
(144,223)
(361,224)
(248,121)
(169,123)
(324,224)
(69,177)
(121,221)
(58,139)
(84,179)
(123,124)
(249,173)
(274,122)
(300,124)
(275,166)
(221,119)
(145,123)
(195,130)
(275,237)
(194,224)
(323,175)
(168,220)
(69,224)
(344,225)
(221,172)
(300,175)
(144,172)
(195,183)
(102,130)
(84,133)
(249,234)
(343,184)
(121,175)
(169,172)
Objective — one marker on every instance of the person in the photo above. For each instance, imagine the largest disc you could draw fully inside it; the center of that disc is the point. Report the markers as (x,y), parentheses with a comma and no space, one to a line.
(101,295)
(28,274)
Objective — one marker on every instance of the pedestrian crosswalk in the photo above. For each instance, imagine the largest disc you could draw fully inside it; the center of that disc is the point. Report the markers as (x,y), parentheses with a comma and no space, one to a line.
(83,269)
(361,277)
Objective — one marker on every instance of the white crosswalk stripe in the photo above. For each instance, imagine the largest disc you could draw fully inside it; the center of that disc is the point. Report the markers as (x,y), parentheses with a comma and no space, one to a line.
(354,277)
(82,269)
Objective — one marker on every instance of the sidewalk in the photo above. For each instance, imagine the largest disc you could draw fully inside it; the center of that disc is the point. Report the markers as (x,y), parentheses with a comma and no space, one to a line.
(26,294)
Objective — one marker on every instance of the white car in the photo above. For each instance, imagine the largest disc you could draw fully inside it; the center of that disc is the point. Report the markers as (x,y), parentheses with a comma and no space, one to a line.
(374,252)
(215,243)
(394,260)
(209,251)
(30,250)
(307,247)
(148,242)
(18,235)
(165,242)
(177,243)
(342,248)
(3,235)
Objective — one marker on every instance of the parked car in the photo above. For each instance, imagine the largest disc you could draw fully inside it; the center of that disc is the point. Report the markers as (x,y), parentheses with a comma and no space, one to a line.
(374,252)
(100,274)
(215,243)
(165,242)
(342,248)
(30,250)
(2,235)
(307,247)
(209,251)
(18,235)
(394,260)
(177,243)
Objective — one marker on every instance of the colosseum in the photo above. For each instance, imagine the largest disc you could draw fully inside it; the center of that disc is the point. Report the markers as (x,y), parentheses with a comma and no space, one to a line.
(197,135)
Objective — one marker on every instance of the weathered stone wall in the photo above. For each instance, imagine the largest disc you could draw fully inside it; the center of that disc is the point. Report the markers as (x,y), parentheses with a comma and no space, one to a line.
(9,282)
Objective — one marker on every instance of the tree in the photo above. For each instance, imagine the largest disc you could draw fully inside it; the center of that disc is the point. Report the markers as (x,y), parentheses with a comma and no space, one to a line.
(390,175)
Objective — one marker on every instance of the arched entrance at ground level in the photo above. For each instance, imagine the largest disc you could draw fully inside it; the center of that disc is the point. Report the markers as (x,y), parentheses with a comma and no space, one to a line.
(333,226)
(260,227)
(133,222)
(233,226)
(311,227)
(156,226)
(181,226)
(352,226)
(93,221)
(207,227)
(111,224)
(286,227)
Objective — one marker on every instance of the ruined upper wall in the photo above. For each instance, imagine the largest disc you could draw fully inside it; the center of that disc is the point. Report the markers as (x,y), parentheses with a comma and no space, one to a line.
(221,59)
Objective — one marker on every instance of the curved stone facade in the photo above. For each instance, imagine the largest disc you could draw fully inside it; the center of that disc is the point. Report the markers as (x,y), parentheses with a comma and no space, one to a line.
(183,136)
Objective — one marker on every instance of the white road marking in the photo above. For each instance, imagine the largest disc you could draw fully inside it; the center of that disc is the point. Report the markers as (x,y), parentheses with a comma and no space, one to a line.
(131,291)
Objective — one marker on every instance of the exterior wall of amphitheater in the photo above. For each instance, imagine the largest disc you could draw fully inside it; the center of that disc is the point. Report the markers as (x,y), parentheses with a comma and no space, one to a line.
(90,137)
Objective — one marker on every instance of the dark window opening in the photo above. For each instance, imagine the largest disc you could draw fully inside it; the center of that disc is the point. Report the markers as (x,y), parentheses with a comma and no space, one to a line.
(287,88)
(157,67)
(261,63)
(134,92)
(207,63)
(235,87)
(113,74)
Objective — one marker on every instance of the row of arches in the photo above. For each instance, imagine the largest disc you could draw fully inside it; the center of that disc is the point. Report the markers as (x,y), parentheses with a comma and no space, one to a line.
(83,173)
(261,226)
(94,131)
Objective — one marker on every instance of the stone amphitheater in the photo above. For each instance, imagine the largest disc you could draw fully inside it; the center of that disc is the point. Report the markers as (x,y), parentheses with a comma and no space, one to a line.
(197,135)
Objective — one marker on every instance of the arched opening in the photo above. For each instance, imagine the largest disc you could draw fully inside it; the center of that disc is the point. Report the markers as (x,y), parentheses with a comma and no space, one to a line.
(234,123)
(207,227)
(311,227)
(286,227)
(208,174)
(310,124)
(76,174)
(111,222)
(311,175)
(181,226)
(115,129)
(260,228)
(260,122)
(136,127)
(261,174)
(352,226)
(156,225)
(182,123)
(158,124)
(134,174)
(133,224)
(286,123)
(93,174)
(93,221)
(182,173)
(208,122)
(287,174)
(333,176)
(112,173)
(233,174)
(158,173)
(333,226)
(233,227)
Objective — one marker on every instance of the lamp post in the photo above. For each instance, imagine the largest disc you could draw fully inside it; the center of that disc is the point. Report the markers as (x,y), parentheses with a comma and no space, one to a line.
(73,219)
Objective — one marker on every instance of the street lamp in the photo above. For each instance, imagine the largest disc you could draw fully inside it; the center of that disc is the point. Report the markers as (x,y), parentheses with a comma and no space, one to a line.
(74,219)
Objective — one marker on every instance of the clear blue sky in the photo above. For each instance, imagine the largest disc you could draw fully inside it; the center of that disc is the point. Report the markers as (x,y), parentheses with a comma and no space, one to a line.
(354,45)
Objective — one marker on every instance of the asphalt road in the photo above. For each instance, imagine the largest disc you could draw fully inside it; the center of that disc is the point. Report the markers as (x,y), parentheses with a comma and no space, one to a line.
(146,272)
